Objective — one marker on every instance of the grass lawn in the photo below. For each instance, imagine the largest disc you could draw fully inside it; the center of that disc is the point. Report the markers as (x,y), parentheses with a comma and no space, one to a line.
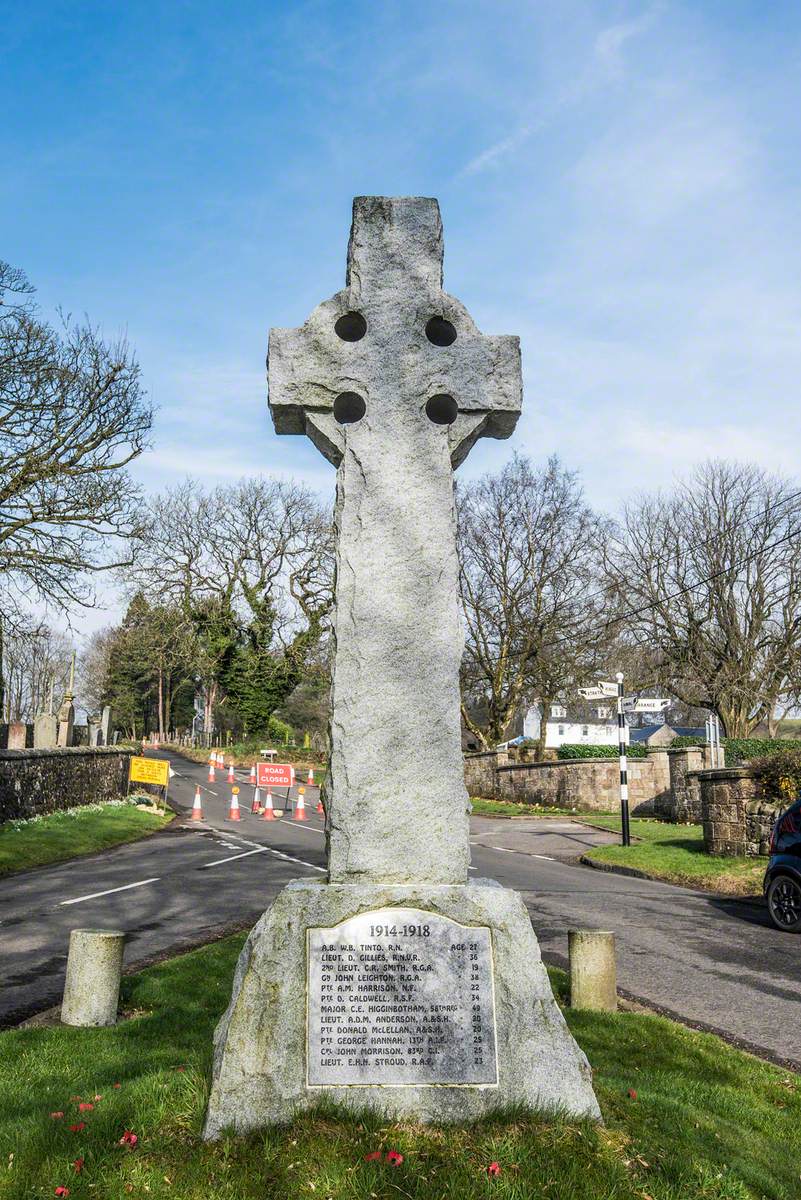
(63,835)
(687,1118)
(675,853)
(510,808)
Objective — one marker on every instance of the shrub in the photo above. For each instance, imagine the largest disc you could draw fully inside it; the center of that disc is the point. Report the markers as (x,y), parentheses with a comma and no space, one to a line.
(740,750)
(575,750)
(780,772)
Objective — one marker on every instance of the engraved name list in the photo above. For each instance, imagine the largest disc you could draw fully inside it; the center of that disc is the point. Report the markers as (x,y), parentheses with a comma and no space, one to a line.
(400,996)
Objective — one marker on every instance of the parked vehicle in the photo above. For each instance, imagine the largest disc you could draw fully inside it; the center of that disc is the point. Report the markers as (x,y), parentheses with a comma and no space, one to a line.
(782,884)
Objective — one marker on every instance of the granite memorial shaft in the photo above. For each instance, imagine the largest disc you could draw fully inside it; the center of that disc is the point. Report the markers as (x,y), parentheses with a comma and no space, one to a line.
(398,983)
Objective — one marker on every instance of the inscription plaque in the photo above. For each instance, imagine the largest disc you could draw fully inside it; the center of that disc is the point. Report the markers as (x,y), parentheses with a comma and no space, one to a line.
(400,996)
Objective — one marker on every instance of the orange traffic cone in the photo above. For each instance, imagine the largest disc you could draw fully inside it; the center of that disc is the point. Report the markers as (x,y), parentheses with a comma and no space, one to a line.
(320,808)
(233,811)
(211,769)
(231,771)
(253,775)
(267,813)
(197,807)
(256,805)
(310,780)
(300,807)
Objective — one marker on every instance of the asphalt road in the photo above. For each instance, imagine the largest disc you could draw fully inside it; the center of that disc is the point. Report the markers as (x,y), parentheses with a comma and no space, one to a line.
(712,962)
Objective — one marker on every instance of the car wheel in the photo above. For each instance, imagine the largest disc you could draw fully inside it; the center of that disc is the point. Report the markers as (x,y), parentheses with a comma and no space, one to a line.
(784,903)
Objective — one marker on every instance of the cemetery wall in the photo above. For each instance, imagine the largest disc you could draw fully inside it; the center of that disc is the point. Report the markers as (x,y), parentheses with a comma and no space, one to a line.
(737,815)
(34,782)
(586,785)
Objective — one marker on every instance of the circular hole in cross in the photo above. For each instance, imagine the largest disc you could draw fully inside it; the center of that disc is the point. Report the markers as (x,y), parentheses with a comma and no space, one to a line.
(442,409)
(440,332)
(349,407)
(351,327)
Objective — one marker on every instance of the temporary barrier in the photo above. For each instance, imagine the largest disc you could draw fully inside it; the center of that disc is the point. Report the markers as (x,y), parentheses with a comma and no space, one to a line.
(197,807)
(300,807)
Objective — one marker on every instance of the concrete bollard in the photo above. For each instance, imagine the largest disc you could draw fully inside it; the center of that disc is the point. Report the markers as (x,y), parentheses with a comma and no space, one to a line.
(593,977)
(92,986)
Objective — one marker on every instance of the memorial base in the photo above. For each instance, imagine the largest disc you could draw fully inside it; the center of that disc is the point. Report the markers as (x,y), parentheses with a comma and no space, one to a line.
(433,1006)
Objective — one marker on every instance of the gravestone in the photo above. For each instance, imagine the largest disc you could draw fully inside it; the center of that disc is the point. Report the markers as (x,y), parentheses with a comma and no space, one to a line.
(397,984)
(94,732)
(17,733)
(105,726)
(45,731)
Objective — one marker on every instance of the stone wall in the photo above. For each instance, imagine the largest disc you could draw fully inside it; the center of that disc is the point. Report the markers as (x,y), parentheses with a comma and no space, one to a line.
(737,816)
(586,785)
(34,782)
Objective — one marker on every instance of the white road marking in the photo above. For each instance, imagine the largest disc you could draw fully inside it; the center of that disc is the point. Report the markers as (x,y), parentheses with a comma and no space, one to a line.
(124,888)
(289,858)
(306,828)
(245,854)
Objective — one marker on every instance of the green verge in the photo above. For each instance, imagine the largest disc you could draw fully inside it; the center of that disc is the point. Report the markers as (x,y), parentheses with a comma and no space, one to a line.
(75,831)
(511,808)
(686,1117)
(675,854)
(243,754)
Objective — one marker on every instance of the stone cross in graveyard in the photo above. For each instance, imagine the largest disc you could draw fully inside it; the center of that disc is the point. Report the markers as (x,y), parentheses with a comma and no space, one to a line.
(393,383)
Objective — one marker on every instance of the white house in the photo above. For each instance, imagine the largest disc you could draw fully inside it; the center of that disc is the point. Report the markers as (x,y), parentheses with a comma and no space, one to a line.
(582,724)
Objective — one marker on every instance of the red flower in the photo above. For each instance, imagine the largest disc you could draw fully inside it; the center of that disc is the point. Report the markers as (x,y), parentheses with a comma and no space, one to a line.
(129,1138)
(61,1191)
(632,1094)
(494,1169)
(373,1156)
(394,1158)
(116,1085)
(78,1165)
(77,1128)
(56,1116)
(85,1107)
(180,1068)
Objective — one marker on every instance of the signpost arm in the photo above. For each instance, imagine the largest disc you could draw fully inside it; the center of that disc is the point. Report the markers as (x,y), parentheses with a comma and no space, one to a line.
(624,780)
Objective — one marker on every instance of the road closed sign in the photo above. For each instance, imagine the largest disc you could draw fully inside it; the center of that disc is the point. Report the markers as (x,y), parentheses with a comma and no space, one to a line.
(150,770)
(270,775)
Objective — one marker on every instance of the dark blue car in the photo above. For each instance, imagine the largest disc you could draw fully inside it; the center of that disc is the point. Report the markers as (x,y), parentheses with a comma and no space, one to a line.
(783,877)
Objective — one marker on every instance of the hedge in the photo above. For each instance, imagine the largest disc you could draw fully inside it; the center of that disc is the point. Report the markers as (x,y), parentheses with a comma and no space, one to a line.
(574,750)
(739,750)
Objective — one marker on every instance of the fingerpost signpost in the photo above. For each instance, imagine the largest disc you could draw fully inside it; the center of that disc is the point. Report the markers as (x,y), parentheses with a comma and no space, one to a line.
(635,704)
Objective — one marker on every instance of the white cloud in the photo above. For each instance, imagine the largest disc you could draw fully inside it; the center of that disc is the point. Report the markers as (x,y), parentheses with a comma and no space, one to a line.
(610,42)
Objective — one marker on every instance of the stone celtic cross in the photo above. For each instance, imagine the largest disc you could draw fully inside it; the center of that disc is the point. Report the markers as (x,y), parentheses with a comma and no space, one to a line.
(393,383)
(399,984)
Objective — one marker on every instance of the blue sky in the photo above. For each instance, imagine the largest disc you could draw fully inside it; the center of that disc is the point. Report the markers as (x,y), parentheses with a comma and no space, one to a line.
(619,184)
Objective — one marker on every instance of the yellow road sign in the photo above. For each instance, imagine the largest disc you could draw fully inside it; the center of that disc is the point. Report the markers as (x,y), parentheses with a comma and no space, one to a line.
(150,770)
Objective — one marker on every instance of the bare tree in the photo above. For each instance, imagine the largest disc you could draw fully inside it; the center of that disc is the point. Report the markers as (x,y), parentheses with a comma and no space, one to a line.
(711,578)
(530,550)
(35,660)
(235,553)
(72,417)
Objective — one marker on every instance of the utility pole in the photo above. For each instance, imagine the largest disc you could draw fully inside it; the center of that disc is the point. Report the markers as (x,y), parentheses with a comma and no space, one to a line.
(624,779)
